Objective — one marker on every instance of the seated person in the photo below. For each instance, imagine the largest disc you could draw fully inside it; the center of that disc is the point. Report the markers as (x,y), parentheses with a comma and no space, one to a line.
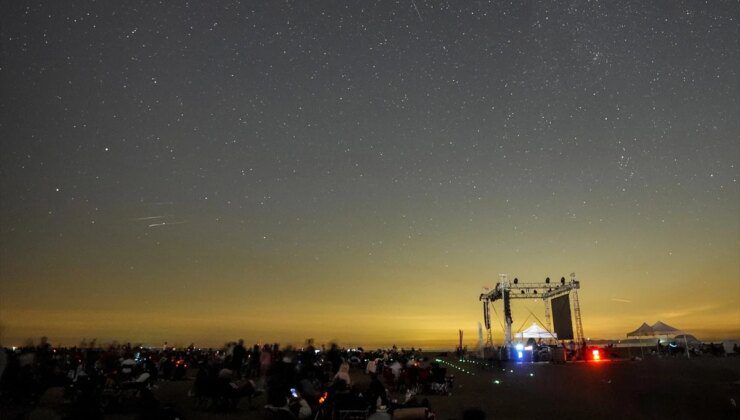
(350,400)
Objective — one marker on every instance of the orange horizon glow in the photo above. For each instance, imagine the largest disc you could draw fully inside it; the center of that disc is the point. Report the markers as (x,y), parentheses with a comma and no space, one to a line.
(419,312)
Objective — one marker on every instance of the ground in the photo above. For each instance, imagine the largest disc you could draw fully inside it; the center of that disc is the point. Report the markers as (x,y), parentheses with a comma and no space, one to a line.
(653,388)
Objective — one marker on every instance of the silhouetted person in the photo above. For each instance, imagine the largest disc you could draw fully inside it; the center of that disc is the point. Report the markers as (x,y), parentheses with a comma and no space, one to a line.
(376,391)
(335,357)
(350,400)
(474,414)
(239,353)
(254,361)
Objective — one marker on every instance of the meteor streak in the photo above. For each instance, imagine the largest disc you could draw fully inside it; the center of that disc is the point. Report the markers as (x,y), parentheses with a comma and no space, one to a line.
(138,219)
(165,224)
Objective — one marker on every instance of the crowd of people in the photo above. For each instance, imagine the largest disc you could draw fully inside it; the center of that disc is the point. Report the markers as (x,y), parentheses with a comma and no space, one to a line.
(315,382)
(89,381)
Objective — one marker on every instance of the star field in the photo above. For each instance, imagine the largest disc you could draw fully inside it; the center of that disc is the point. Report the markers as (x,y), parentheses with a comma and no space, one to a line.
(218,164)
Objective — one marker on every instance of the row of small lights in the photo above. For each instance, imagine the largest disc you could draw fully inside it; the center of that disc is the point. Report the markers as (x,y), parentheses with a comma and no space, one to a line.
(475,362)
(455,366)
(498,382)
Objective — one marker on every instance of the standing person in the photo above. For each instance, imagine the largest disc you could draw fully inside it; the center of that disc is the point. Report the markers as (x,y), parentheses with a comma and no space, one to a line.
(309,358)
(377,395)
(335,357)
(571,349)
(4,363)
(238,355)
(265,360)
(254,362)
(396,368)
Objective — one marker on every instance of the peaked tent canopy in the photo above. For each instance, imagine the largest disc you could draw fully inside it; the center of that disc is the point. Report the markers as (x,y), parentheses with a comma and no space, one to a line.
(535,331)
(659,328)
(645,330)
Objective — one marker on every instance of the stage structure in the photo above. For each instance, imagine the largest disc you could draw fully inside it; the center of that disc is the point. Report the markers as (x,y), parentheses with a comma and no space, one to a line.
(561,294)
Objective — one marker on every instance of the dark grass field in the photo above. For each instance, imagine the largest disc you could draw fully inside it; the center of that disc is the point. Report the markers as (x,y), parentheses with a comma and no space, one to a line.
(669,388)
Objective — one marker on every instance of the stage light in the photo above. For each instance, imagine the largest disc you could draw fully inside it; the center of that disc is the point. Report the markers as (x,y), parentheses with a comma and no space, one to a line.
(519,346)
(547,280)
(520,354)
(596,354)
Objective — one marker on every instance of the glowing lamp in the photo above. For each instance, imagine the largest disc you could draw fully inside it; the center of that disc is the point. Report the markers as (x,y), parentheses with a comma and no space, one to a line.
(520,354)
(596,354)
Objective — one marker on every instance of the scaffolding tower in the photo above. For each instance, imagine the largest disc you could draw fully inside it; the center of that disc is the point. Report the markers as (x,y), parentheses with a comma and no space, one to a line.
(507,290)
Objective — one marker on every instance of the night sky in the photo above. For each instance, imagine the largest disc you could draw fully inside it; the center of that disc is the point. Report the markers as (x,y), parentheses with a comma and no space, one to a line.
(359,171)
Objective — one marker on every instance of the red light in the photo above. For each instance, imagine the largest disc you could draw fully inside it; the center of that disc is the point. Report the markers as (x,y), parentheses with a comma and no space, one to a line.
(323,397)
(595,353)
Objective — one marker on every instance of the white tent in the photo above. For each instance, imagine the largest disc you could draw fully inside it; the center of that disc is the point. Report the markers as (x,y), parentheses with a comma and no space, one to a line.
(535,331)
(659,329)
(645,330)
